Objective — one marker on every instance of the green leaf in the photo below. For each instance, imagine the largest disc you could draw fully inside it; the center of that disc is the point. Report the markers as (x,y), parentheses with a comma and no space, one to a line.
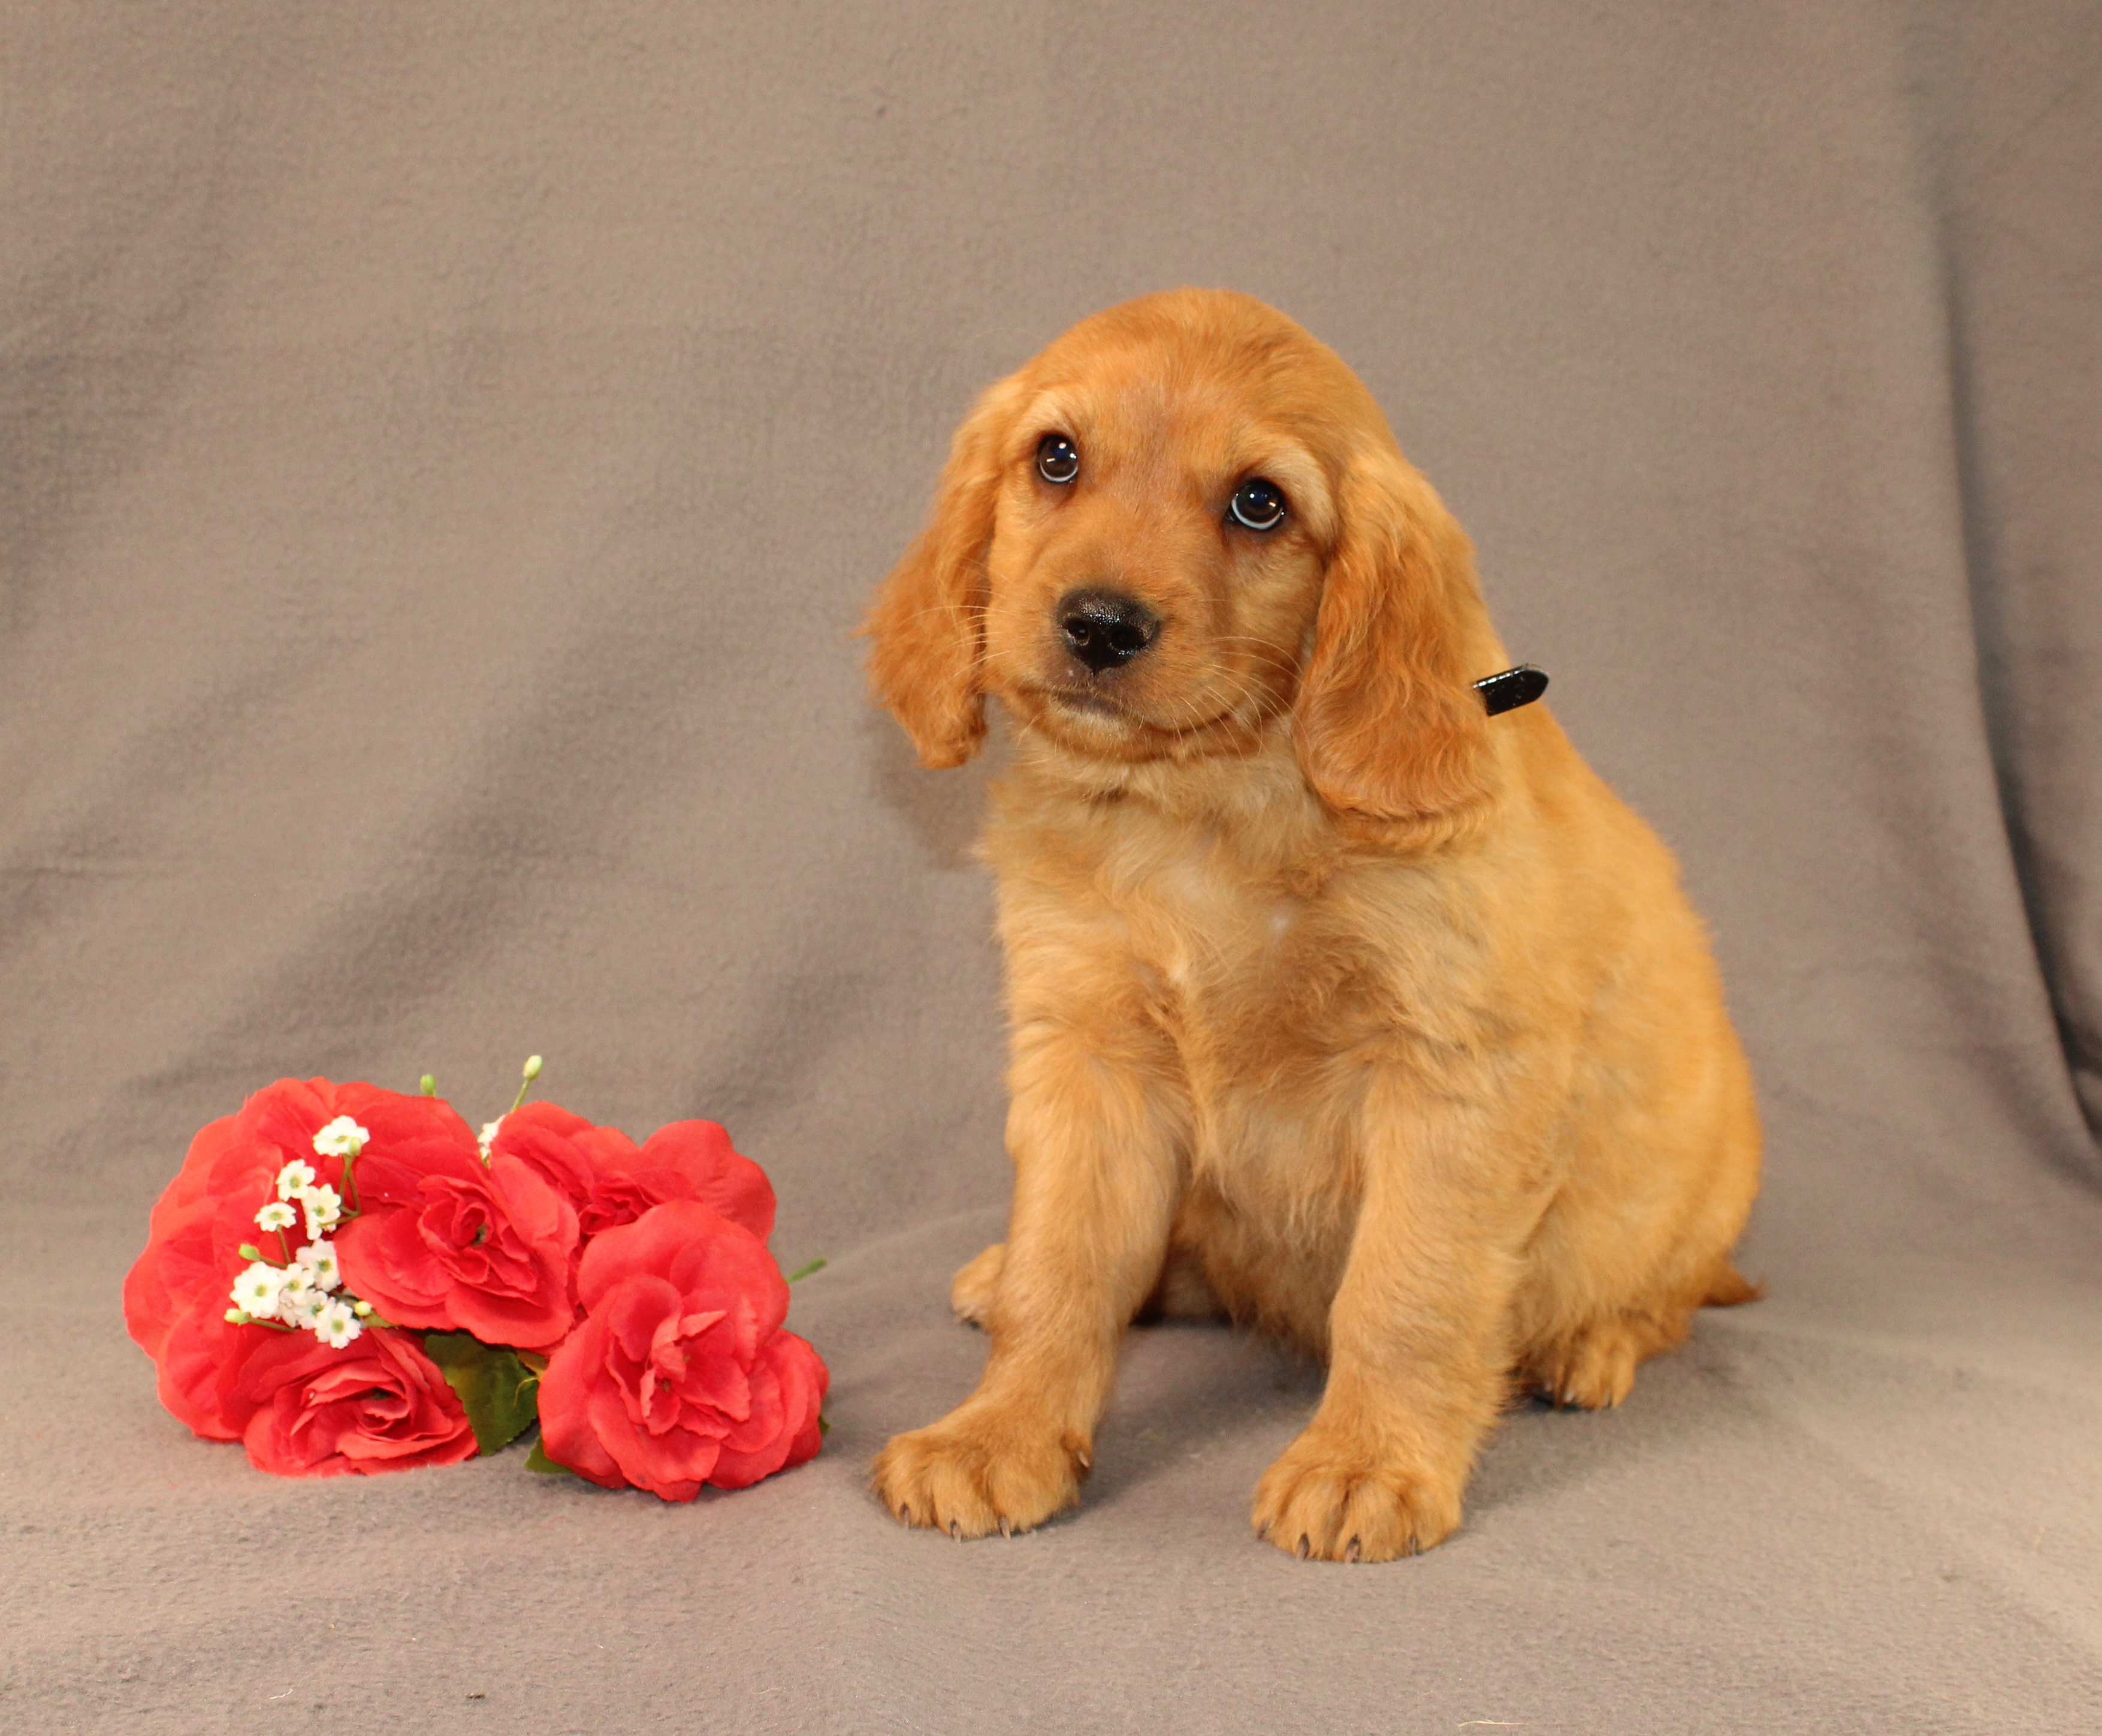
(500,1393)
(538,1460)
(805,1271)
(824,1425)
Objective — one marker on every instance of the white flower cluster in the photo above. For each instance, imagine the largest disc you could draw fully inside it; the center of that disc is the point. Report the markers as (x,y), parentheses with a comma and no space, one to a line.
(322,1205)
(304,1293)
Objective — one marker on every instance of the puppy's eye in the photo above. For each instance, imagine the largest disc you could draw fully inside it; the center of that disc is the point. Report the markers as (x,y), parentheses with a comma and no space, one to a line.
(1057,459)
(1257,505)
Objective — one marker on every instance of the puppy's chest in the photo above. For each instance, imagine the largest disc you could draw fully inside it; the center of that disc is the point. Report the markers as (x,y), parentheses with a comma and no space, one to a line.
(1252,978)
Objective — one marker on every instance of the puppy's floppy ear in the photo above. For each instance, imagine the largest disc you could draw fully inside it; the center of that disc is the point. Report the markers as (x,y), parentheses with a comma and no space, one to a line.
(1387,723)
(927,624)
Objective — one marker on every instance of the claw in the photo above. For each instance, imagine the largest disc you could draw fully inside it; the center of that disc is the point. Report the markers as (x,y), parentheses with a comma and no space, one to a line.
(1350,1554)
(1006,1526)
(904,1514)
(956,1530)
(1305,1547)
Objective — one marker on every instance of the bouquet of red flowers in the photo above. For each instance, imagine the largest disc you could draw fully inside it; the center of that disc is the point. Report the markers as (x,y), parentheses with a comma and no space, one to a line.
(404,1294)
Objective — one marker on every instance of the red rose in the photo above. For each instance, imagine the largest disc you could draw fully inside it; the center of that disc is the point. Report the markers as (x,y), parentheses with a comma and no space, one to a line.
(379,1404)
(610,1181)
(447,1241)
(680,1374)
(177,1292)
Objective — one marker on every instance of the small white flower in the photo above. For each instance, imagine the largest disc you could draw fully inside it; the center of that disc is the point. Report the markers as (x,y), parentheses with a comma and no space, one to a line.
(342,1137)
(299,1295)
(277,1215)
(257,1289)
(302,1307)
(319,1262)
(293,1177)
(324,1208)
(488,1132)
(336,1325)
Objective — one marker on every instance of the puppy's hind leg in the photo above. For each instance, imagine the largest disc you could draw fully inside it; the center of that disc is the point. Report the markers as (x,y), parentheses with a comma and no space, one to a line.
(971,1291)
(1183,1292)
(1593,1367)
(1729,1287)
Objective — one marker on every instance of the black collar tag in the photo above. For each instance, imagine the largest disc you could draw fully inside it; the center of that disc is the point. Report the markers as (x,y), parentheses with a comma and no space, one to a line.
(1511,689)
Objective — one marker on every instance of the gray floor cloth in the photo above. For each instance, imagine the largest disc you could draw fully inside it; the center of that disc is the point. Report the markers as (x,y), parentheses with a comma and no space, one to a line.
(443,452)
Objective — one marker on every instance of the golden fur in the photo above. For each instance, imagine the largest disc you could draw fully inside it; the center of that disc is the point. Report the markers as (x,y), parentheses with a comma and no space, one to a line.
(1374,1021)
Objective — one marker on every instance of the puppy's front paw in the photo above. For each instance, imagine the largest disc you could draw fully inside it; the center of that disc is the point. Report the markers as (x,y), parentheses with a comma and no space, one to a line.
(978,1470)
(1338,1499)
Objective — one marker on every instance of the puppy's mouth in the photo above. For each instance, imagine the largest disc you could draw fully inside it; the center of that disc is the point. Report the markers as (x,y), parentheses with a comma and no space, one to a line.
(1084,712)
(1089,701)
(1098,687)
(1104,718)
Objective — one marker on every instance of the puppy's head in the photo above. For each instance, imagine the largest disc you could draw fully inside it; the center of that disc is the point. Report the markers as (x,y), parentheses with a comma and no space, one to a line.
(1184,522)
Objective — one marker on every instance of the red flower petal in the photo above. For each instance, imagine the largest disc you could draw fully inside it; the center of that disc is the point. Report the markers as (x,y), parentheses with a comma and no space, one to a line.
(487,1250)
(378,1405)
(567,1150)
(799,1380)
(672,1466)
(202,1361)
(680,1374)
(694,1160)
(566,1435)
(699,1249)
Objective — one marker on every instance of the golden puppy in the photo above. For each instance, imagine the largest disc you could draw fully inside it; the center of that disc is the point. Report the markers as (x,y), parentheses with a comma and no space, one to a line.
(1336,1003)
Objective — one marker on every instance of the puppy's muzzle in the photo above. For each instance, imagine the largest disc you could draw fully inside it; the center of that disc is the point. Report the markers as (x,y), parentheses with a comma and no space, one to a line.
(1103,630)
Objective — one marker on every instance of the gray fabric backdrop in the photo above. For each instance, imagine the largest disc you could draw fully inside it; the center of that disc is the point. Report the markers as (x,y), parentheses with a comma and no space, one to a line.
(444,450)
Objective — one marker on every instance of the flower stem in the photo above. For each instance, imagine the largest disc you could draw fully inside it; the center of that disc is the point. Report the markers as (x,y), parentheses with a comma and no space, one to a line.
(525,1084)
(805,1271)
(242,1318)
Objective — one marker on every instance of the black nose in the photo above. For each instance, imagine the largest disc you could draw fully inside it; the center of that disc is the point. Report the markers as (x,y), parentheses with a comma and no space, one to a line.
(1106,630)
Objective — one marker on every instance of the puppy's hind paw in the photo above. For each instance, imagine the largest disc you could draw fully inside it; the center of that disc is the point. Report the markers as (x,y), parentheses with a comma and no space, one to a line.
(1594,1368)
(971,1291)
